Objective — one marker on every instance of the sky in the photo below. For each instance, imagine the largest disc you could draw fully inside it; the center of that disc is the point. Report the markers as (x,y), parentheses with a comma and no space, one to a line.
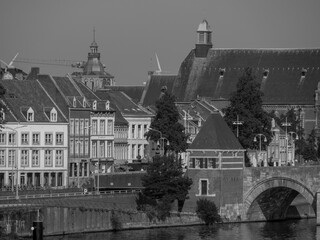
(130,32)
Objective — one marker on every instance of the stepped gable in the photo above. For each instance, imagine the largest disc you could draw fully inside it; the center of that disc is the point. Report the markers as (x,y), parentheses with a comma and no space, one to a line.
(287,76)
(153,87)
(215,134)
(134,92)
(21,95)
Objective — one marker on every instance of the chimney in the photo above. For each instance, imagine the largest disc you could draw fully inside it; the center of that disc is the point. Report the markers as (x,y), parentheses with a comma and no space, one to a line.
(33,73)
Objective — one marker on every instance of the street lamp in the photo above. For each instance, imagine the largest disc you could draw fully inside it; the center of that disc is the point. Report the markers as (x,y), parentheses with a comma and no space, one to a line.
(15,133)
(237,123)
(255,140)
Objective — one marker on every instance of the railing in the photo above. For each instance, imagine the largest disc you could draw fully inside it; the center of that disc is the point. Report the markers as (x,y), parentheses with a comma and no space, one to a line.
(70,194)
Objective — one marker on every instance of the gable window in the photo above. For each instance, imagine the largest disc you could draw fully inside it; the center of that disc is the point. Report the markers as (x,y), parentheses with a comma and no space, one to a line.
(35,138)
(24,138)
(35,158)
(30,115)
(48,138)
(53,115)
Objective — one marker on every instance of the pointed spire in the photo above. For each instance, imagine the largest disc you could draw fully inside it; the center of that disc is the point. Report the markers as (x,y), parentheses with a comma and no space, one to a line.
(94,45)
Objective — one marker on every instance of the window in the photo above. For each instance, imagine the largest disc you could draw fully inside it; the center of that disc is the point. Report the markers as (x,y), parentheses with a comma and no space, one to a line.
(59,158)
(86,147)
(86,127)
(71,127)
(12,138)
(11,158)
(145,129)
(203,187)
(81,127)
(35,158)
(2,138)
(71,147)
(48,158)
(24,158)
(102,127)
(94,105)
(24,138)
(30,115)
(94,149)
(222,71)
(35,138)
(133,130)
(201,37)
(139,131)
(107,105)
(76,147)
(2,158)
(48,138)
(101,152)
(53,115)
(212,162)
(81,147)
(76,126)
(208,37)
(59,138)
(109,149)
(139,150)
(133,153)
(94,127)
(110,127)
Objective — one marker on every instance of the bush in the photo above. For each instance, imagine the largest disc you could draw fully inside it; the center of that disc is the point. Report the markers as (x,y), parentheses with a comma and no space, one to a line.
(115,221)
(207,211)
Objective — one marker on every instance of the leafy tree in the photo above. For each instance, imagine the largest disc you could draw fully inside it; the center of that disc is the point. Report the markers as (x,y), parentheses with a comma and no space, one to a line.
(311,149)
(207,211)
(165,181)
(246,103)
(167,122)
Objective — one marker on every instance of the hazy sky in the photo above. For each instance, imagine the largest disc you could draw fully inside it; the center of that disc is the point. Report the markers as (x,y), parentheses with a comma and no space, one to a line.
(129,32)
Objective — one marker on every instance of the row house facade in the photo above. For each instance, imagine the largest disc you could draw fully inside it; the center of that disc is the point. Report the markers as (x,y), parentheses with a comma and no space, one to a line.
(34,139)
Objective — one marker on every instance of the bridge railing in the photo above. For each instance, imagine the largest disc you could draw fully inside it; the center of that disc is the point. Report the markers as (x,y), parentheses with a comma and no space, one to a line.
(70,194)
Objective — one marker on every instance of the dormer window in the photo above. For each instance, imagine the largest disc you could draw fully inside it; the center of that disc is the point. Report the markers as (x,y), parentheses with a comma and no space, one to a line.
(2,115)
(94,106)
(303,72)
(265,73)
(221,72)
(74,102)
(53,115)
(30,115)
(107,105)
(84,102)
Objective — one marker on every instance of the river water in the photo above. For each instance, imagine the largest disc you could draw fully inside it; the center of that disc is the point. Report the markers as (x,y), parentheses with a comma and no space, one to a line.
(291,229)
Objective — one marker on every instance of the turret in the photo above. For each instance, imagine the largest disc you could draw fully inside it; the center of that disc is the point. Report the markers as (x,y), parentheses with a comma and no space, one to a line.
(204,40)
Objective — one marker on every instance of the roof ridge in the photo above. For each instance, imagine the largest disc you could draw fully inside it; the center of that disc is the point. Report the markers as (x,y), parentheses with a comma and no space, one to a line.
(74,84)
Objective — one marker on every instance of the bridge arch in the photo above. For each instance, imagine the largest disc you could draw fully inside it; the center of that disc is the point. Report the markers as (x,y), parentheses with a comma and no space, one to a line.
(271,188)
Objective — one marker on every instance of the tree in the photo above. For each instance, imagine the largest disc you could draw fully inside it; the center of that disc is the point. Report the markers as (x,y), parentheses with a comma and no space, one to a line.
(167,122)
(246,103)
(207,211)
(165,181)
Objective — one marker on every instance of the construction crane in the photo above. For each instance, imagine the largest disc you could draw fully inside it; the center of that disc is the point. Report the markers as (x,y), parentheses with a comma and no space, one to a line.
(60,62)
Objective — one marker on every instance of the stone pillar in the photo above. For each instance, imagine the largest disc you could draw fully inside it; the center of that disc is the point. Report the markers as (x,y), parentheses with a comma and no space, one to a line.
(318,208)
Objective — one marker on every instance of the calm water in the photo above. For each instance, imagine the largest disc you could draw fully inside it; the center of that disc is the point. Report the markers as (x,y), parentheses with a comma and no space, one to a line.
(293,229)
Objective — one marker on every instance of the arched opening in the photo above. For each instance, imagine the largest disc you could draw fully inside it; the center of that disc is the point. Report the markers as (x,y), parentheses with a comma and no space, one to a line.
(279,199)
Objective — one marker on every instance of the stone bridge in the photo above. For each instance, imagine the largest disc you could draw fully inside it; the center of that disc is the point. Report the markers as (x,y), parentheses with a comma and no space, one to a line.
(269,191)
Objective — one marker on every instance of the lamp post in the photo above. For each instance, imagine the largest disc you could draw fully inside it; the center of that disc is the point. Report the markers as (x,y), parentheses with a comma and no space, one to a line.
(237,123)
(13,140)
(291,133)
(255,140)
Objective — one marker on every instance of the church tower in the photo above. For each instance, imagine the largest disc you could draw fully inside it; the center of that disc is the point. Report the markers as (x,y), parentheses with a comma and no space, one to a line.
(94,76)
(204,40)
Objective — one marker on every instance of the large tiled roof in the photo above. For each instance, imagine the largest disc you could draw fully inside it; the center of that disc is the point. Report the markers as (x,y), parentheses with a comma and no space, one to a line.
(134,92)
(153,87)
(21,95)
(284,68)
(123,102)
(215,134)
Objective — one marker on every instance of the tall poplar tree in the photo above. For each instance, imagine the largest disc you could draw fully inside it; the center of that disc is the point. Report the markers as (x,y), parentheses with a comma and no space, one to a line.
(246,104)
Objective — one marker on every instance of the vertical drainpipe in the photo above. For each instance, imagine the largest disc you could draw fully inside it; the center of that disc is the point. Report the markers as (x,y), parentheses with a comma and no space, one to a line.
(68,148)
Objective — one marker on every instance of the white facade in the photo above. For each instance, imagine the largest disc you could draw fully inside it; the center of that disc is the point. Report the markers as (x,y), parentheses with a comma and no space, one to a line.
(35,154)
(136,140)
